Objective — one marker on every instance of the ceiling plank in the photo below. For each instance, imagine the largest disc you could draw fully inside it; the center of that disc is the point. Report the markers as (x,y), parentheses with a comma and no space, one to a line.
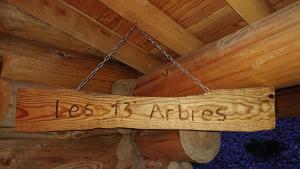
(155,22)
(251,10)
(213,27)
(61,16)
(257,55)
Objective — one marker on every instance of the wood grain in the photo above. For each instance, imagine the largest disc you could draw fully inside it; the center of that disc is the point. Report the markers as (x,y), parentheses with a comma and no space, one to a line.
(82,27)
(30,62)
(182,145)
(220,110)
(251,10)
(213,27)
(18,23)
(265,53)
(156,23)
(188,12)
(96,153)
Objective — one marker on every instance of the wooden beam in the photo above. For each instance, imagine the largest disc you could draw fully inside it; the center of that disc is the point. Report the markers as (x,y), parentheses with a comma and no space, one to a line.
(84,28)
(265,53)
(27,61)
(156,23)
(251,10)
(18,23)
(220,110)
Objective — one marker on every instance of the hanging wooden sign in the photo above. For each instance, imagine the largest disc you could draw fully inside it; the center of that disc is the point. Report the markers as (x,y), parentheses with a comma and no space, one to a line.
(219,110)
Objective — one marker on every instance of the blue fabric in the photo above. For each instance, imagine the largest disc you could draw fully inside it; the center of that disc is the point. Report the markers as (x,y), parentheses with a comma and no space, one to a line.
(233,154)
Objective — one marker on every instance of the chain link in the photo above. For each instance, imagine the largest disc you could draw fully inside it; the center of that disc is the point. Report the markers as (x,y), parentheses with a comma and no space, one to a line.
(106,58)
(155,44)
(177,64)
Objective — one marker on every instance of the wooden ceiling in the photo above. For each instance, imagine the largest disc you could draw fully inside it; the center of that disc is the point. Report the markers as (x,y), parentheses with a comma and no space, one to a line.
(93,27)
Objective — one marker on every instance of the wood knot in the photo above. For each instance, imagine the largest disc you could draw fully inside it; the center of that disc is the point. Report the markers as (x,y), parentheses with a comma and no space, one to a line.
(271,96)
(5,161)
(234,38)
(60,53)
(21,113)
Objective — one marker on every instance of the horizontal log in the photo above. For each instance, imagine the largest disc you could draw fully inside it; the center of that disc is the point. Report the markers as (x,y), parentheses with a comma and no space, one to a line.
(188,146)
(265,53)
(98,153)
(26,61)
(220,110)
(88,30)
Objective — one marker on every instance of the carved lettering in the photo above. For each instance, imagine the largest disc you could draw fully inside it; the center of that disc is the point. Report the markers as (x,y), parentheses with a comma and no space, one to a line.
(222,114)
(116,108)
(183,112)
(206,115)
(124,110)
(74,108)
(156,109)
(56,109)
(88,111)
(194,112)
(167,113)
(128,109)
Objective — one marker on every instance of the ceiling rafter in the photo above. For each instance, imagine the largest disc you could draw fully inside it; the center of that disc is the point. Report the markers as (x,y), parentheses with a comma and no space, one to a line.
(155,22)
(60,15)
(251,10)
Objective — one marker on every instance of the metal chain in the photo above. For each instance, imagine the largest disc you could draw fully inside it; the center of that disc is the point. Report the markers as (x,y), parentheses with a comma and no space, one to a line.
(106,58)
(155,44)
(170,58)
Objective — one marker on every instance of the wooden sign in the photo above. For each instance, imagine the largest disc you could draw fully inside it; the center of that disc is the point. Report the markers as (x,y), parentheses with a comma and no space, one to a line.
(219,110)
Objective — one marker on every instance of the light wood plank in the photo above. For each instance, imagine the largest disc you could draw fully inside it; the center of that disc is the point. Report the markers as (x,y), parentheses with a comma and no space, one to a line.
(265,53)
(213,27)
(251,10)
(156,23)
(60,15)
(220,110)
